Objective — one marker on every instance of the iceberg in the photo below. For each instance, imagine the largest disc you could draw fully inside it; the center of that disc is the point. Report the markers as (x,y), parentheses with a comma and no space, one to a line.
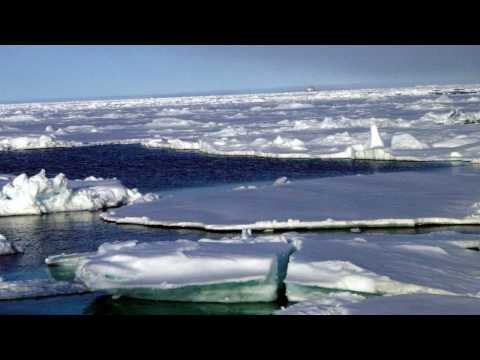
(182,270)
(35,195)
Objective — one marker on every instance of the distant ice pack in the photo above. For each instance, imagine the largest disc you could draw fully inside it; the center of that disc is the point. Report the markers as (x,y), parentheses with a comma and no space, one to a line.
(410,123)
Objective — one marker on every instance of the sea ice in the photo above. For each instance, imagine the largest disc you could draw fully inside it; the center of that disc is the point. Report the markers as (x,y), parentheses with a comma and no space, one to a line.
(406,142)
(23,195)
(321,124)
(24,289)
(431,263)
(182,270)
(408,199)
(375,139)
(409,304)
(32,142)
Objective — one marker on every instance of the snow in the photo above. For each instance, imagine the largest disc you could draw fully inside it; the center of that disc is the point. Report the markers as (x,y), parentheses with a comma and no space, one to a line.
(182,270)
(353,124)
(24,195)
(408,199)
(382,263)
(410,304)
(7,247)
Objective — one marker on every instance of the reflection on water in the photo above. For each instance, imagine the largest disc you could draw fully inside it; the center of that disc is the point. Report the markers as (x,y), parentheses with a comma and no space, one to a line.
(105,305)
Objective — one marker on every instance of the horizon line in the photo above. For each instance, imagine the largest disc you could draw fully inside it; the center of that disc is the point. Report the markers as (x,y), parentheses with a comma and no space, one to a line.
(325,87)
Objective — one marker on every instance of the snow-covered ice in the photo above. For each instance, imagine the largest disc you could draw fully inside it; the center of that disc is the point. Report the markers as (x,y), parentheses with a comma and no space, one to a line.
(406,142)
(34,142)
(321,124)
(182,270)
(382,263)
(315,267)
(407,199)
(409,304)
(24,195)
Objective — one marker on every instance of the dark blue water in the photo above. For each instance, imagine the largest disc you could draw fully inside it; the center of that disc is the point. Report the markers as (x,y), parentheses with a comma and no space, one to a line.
(147,170)
(159,169)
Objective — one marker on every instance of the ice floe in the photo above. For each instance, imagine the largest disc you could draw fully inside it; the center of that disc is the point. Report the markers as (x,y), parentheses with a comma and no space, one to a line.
(382,263)
(409,304)
(320,270)
(38,194)
(182,270)
(446,196)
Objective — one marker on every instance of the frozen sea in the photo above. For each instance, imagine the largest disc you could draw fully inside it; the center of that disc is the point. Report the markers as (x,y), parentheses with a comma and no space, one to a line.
(150,170)
(213,161)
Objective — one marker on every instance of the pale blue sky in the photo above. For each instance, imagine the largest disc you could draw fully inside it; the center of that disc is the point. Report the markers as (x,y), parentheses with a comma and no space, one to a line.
(53,72)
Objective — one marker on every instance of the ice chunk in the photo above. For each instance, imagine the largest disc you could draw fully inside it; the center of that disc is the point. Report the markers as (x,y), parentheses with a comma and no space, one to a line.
(375,139)
(189,271)
(281,181)
(294,144)
(406,142)
(304,278)
(30,142)
(23,289)
(8,247)
(38,194)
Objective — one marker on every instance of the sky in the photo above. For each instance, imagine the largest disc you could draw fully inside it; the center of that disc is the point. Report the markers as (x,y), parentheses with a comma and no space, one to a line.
(83,71)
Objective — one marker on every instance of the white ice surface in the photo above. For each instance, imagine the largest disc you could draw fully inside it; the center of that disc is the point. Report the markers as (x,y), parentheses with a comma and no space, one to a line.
(410,304)
(23,195)
(321,124)
(182,270)
(403,199)
(383,263)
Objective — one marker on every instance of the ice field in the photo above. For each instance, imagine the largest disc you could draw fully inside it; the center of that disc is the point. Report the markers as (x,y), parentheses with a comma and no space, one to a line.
(348,240)
(416,123)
